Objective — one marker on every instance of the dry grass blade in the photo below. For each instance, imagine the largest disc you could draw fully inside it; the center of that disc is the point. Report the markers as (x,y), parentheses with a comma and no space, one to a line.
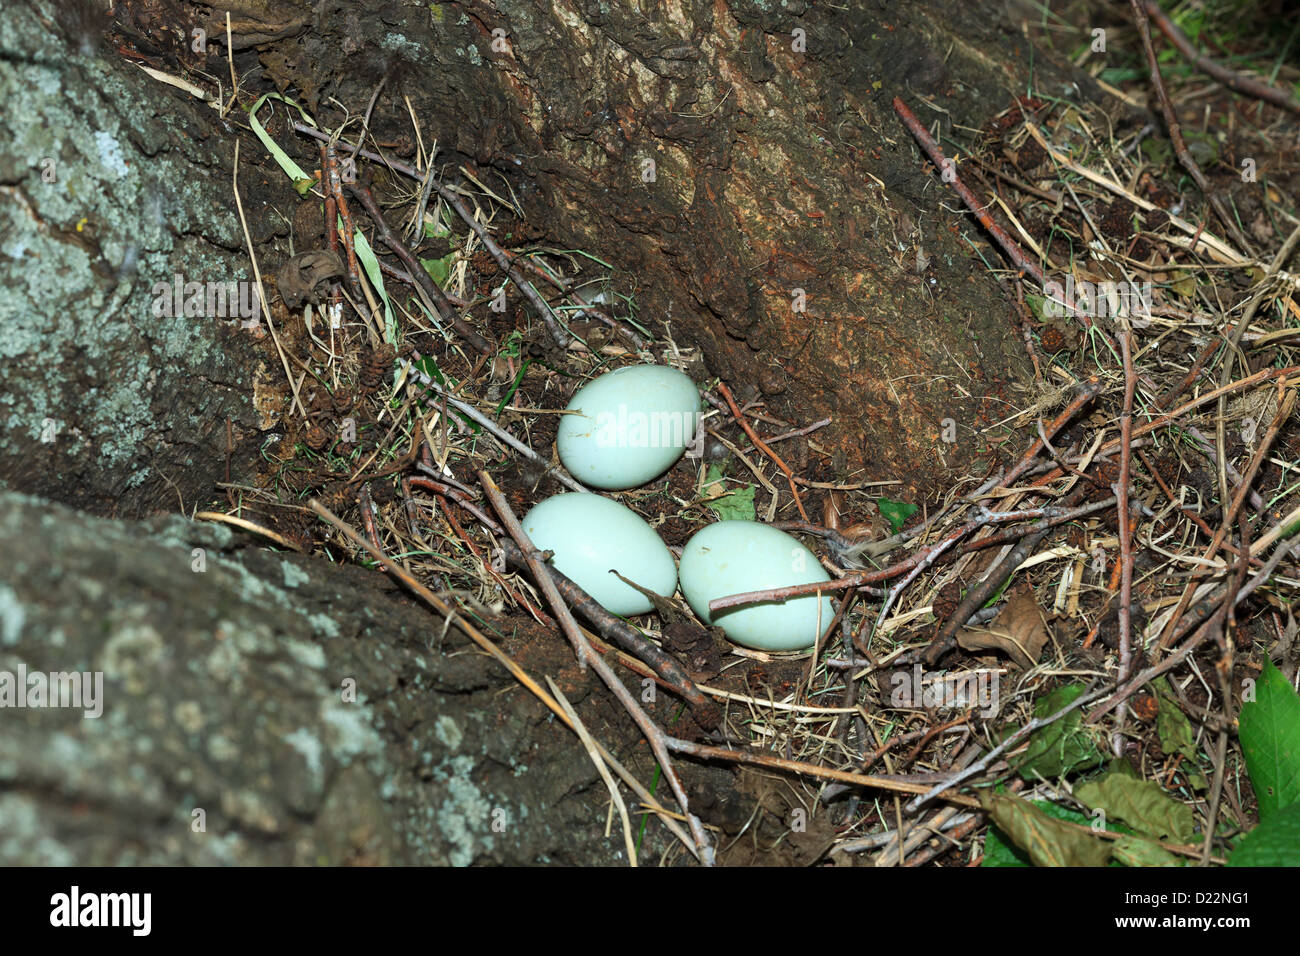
(594,753)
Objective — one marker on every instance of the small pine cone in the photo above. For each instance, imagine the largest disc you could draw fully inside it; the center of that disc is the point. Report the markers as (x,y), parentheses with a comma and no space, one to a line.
(319,401)
(1053,339)
(309,224)
(1145,707)
(316,438)
(342,401)
(335,496)
(484,264)
(1107,473)
(945,603)
(382,493)
(1076,535)
(1200,481)
(377,367)
(1108,630)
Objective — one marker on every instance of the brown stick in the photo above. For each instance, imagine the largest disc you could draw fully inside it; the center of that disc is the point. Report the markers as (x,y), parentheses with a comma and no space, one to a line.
(1285,405)
(1015,738)
(621,634)
(978,209)
(1191,516)
(1169,418)
(331,236)
(759,444)
(773,762)
(953,836)
(366,505)
(1176,132)
(1051,516)
(946,637)
(654,736)
(1167,397)
(335,188)
(507,265)
(1237,81)
(1125,528)
(1195,625)
(1023,322)
(1085,393)
(553,326)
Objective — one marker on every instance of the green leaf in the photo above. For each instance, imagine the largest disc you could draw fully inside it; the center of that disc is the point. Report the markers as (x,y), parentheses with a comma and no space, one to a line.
(1176,734)
(1060,747)
(1120,765)
(1270,739)
(510,347)
(736,505)
(438,269)
(1157,151)
(1120,75)
(1046,840)
(301,181)
(1037,305)
(429,367)
(1135,851)
(1275,842)
(1190,20)
(896,512)
(514,387)
(1139,803)
(999,850)
(369,262)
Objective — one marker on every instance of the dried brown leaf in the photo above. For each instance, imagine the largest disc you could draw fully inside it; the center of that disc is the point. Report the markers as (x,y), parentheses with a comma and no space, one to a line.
(1018,631)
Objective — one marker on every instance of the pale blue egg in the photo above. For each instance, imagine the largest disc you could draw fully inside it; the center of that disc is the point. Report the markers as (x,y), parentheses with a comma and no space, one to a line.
(635,422)
(733,557)
(591,534)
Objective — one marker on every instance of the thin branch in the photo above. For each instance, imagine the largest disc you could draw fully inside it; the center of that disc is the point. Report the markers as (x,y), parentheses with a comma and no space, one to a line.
(978,209)
(1001,748)
(761,446)
(621,634)
(1125,527)
(446,311)
(586,655)
(1237,81)
(1176,133)
(505,437)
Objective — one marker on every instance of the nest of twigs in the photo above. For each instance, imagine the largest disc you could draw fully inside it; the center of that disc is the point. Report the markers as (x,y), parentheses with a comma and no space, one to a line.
(1096,607)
